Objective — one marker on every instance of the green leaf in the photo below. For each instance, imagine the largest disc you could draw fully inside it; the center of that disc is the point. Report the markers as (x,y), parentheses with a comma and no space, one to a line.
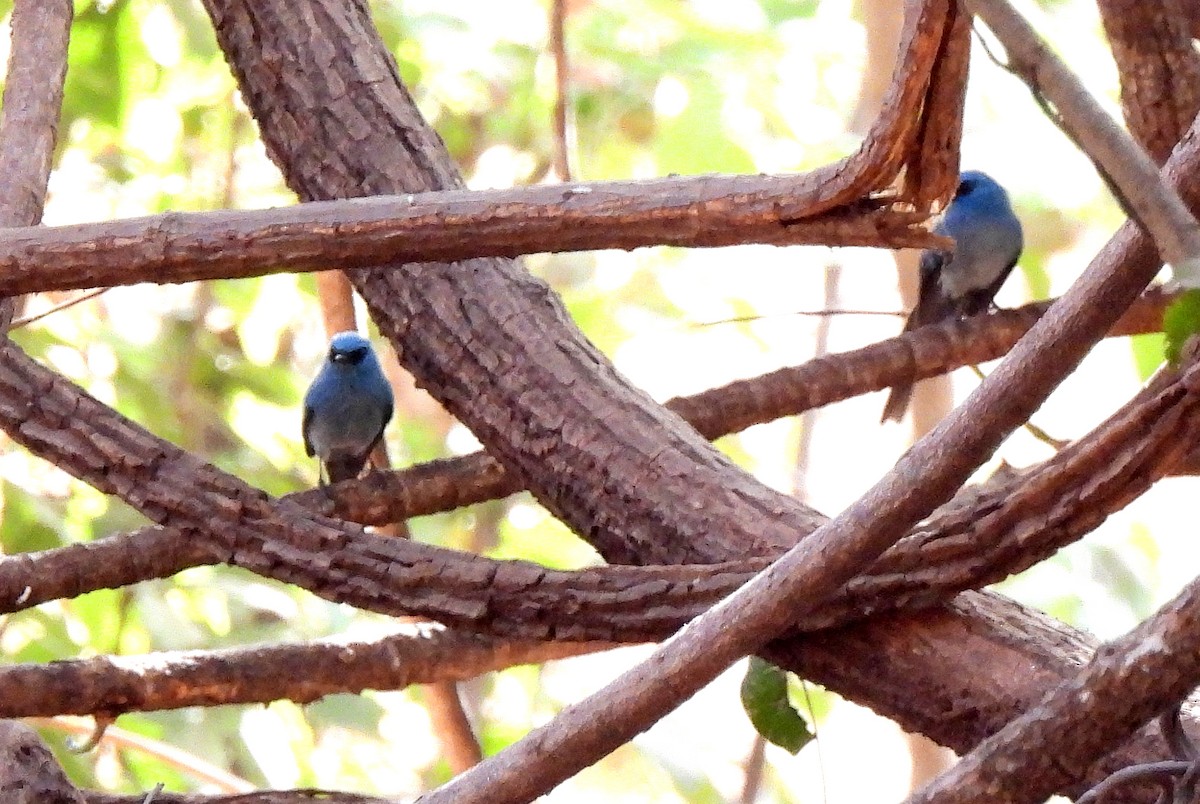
(1180,321)
(1148,351)
(765,699)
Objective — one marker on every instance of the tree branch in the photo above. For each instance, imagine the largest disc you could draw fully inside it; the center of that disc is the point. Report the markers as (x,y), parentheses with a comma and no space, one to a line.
(108,686)
(1131,173)
(1127,682)
(813,570)
(937,560)
(33,91)
(931,172)
(1160,69)
(910,572)
(29,773)
(630,603)
(261,797)
(32,99)
(451,225)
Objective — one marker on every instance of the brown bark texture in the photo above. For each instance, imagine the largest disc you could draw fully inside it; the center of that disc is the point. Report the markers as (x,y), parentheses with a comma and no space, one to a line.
(497,348)
(29,774)
(1160,69)
(451,225)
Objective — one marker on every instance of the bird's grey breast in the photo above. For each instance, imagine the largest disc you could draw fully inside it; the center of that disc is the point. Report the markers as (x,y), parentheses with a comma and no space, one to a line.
(981,255)
(349,423)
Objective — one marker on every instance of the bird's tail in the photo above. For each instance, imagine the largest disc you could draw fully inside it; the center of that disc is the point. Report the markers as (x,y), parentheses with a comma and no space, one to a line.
(897,402)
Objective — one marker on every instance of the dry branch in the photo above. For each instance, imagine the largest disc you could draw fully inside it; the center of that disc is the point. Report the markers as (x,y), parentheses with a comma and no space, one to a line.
(631,603)
(1160,69)
(441,226)
(29,774)
(261,797)
(1050,747)
(108,686)
(32,99)
(1131,173)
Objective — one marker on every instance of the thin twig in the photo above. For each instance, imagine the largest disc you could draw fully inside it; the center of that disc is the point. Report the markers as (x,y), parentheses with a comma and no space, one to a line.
(1037,432)
(755,765)
(562,90)
(1161,774)
(828,313)
(173,756)
(57,308)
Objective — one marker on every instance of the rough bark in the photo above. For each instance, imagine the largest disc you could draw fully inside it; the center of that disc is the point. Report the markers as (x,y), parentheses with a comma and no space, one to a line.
(29,774)
(453,225)
(1021,518)
(493,344)
(1126,683)
(1159,68)
(107,686)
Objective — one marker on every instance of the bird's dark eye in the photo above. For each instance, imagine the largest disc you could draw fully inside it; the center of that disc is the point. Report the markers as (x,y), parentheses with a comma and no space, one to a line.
(351,356)
(965,186)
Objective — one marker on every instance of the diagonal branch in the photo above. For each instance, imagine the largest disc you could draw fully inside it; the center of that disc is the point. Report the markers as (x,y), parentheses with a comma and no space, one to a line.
(812,571)
(917,571)
(698,211)
(325,156)
(1127,682)
(1132,175)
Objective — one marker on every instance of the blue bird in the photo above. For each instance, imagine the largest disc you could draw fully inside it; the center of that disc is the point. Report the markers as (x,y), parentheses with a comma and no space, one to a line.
(346,407)
(987,243)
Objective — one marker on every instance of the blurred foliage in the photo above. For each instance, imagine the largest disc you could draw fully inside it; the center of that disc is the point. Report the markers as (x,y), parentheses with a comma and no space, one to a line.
(1180,322)
(152,122)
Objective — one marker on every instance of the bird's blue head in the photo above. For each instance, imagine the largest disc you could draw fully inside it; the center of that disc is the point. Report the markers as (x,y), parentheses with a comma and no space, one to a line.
(977,187)
(349,348)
